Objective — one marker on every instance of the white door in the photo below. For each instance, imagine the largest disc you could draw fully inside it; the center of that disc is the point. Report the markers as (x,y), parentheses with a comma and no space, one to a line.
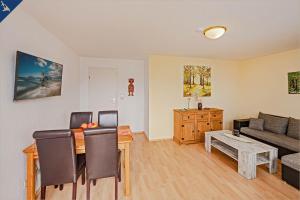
(103,92)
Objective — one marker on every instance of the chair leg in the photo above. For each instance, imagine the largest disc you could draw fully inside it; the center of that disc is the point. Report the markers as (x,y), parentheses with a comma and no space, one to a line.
(61,187)
(83,177)
(88,182)
(74,191)
(116,187)
(43,192)
(94,182)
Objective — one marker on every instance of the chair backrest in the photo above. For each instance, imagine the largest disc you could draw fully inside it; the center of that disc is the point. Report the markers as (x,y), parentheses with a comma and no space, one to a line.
(57,156)
(101,150)
(78,118)
(108,119)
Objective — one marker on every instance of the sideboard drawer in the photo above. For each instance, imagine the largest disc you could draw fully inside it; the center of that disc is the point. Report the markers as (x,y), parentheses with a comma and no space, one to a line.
(188,117)
(216,115)
(202,117)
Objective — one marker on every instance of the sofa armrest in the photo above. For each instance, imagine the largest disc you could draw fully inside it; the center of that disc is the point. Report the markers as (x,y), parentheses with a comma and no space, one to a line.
(239,123)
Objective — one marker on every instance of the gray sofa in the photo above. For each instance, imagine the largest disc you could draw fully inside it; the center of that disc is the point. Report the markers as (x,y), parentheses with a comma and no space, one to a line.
(281,132)
(291,169)
(284,134)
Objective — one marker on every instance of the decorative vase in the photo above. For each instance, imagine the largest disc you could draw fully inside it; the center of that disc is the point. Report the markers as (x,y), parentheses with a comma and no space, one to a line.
(199,106)
(236,132)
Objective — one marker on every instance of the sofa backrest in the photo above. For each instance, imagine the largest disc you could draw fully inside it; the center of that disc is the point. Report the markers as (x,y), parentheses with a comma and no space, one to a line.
(273,123)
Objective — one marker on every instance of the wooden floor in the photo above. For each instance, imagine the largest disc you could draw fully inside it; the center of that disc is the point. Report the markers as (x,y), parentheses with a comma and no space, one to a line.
(164,170)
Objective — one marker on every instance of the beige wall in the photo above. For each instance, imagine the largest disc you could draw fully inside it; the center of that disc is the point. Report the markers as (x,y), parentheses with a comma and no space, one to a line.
(265,85)
(241,88)
(166,91)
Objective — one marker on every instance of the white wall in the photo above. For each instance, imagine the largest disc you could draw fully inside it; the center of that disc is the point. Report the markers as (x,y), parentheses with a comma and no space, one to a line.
(166,91)
(265,85)
(131,109)
(19,120)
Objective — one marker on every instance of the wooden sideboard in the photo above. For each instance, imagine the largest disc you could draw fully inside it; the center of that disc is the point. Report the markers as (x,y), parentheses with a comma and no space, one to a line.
(190,125)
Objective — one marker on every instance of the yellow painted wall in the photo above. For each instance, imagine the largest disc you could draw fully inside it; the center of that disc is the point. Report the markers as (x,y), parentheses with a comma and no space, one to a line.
(166,91)
(241,88)
(265,85)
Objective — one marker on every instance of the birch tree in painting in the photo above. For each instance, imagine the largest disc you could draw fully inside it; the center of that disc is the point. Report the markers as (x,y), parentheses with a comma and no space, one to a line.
(197,81)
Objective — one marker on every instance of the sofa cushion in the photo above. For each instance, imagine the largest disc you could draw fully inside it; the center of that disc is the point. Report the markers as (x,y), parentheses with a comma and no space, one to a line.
(294,128)
(257,124)
(292,161)
(277,139)
(275,124)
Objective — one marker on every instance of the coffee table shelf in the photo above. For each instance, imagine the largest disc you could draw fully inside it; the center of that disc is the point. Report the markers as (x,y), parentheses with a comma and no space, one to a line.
(233,153)
(248,152)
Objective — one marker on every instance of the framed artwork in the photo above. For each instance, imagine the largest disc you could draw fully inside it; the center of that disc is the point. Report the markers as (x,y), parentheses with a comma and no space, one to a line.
(196,81)
(36,77)
(294,82)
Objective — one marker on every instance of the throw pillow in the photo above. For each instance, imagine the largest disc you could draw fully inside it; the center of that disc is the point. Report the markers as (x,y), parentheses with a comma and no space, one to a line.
(275,124)
(257,124)
(294,128)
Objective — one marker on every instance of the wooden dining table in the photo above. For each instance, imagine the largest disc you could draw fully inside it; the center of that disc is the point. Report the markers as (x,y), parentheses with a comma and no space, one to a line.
(124,140)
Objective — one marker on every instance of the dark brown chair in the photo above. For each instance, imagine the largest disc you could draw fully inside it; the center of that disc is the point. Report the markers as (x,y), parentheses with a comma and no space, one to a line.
(108,119)
(58,160)
(102,156)
(78,118)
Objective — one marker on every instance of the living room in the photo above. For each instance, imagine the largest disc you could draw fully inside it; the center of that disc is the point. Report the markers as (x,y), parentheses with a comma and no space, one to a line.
(106,47)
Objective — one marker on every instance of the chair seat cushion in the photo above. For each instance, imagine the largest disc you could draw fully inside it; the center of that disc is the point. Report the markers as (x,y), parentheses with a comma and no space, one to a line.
(292,161)
(277,139)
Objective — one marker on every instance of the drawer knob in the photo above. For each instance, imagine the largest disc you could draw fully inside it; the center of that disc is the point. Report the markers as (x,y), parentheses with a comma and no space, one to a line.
(215,115)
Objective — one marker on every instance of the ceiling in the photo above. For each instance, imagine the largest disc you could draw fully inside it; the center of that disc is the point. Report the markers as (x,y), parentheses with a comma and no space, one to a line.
(137,29)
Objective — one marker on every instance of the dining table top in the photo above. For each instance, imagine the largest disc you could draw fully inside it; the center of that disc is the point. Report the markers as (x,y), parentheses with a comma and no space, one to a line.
(124,136)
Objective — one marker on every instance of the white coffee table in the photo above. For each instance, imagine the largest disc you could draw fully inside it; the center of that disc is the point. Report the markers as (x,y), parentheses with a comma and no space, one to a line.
(248,152)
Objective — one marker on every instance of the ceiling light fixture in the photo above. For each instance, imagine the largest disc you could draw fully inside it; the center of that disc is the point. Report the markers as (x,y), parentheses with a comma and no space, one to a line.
(214,32)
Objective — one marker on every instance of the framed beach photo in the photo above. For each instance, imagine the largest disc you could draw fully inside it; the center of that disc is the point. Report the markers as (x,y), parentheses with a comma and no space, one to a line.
(36,77)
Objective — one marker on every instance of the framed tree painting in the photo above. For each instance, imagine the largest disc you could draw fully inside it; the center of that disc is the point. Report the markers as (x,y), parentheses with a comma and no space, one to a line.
(294,82)
(196,81)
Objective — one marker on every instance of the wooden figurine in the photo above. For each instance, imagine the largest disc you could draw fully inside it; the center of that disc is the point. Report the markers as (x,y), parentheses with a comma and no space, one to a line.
(131,87)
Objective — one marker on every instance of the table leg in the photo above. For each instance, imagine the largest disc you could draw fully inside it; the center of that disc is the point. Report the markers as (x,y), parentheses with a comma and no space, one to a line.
(30,177)
(208,142)
(127,169)
(247,164)
(273,161)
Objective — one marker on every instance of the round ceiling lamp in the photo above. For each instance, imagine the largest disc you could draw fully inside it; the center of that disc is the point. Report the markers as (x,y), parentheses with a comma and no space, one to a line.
(214,32)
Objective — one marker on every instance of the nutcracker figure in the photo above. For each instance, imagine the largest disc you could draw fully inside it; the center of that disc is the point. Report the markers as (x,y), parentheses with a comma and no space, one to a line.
(131,87)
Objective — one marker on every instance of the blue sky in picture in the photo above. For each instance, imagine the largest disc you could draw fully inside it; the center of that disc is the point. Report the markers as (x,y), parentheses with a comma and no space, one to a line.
(7,6)
(29,65)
